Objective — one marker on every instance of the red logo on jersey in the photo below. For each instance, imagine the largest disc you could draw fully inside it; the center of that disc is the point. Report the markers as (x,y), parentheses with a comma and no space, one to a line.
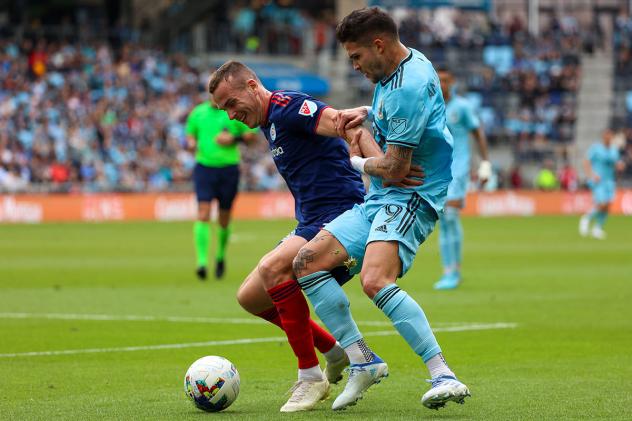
(308,108)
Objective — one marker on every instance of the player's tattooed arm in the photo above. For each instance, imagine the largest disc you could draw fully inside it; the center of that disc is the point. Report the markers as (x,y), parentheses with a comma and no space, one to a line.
(385,165)
(393,167)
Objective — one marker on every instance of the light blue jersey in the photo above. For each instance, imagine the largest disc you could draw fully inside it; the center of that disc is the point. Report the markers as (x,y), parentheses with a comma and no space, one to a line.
(408,110)
(461,120)
(602,160)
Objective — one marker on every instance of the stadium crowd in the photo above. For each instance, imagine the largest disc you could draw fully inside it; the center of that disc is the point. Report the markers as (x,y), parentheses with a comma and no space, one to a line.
(525,87)
(88,117)
(622,110)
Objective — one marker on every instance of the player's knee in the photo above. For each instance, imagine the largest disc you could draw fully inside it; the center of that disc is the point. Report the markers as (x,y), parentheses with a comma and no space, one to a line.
(204,213)
(372,282)
(244,298)
(274,270)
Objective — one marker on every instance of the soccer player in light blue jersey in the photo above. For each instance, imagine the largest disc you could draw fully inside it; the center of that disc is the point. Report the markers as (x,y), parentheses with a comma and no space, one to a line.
(603,160)
(380,237)
(462,121)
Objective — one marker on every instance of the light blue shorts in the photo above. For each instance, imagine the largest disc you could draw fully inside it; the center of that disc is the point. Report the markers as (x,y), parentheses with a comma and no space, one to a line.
(457,189)
(603,192)
(408,221)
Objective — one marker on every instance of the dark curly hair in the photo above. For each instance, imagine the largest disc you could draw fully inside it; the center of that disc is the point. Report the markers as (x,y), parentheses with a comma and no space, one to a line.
(363,25)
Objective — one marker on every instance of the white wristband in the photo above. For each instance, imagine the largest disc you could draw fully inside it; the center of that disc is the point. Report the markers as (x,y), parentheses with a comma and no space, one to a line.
(358,163)
(485,170)
(369,112)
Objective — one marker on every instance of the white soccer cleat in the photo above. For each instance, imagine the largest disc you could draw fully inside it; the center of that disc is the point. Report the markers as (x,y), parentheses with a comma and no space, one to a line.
(334,369)
(444,389)
(584,225)
(361,377)
(305,395)
(598,233)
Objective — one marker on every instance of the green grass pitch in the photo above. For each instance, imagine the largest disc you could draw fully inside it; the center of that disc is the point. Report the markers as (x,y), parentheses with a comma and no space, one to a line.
(569,355)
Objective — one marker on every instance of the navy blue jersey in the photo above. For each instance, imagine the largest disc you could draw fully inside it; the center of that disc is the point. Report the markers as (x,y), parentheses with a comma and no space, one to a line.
(316,168)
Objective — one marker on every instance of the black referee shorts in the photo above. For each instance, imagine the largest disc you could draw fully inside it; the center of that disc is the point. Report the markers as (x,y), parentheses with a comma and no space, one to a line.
(219,183)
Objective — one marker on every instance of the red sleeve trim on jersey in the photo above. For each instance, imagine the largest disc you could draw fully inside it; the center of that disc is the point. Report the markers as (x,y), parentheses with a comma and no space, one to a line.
(320,113)
(267,111)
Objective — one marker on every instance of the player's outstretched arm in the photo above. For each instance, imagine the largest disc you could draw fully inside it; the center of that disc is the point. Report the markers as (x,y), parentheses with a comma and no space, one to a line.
(327,127)
(350,118)
(362,146)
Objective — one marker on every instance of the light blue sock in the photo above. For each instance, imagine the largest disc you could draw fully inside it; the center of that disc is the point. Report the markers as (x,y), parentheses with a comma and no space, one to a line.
(592,215)
(445,243)
(456,229)
(600,218)
(409,320)
(332,306)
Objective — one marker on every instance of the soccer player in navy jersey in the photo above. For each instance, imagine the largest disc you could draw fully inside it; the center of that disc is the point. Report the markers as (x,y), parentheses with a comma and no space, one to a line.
(315,164)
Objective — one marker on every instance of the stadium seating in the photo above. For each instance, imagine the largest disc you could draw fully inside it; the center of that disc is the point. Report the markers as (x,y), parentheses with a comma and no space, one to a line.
(622,101)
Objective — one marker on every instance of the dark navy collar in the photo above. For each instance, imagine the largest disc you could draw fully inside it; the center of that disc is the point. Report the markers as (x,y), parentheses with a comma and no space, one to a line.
(401,63)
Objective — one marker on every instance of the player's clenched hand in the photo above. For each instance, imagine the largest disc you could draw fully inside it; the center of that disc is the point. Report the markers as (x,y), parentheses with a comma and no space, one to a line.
(348,119)
(414,178)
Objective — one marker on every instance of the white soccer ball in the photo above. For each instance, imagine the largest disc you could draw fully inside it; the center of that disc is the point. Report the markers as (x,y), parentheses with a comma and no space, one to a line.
(212,383)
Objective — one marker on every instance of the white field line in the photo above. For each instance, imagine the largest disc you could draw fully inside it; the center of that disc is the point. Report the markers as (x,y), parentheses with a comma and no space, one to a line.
(462,328)
(171,319)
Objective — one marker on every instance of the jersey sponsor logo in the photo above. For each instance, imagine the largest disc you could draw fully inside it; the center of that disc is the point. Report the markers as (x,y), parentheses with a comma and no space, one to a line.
(308,108)
(273,132)
(381,228)
(277,152)
(398,125)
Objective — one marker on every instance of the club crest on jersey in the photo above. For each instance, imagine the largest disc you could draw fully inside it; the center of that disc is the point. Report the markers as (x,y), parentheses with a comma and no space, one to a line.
(308,108)
(398,125)
(273,132)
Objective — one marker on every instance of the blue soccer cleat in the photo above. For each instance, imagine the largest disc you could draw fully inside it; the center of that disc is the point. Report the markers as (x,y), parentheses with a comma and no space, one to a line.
(444,389)
(361,377)
(448,281)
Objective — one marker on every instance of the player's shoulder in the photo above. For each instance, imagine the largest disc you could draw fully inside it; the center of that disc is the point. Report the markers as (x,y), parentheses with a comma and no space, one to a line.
(594,148)
(417,70)
(461,101)
(292,105)
(413,75)
(284,101)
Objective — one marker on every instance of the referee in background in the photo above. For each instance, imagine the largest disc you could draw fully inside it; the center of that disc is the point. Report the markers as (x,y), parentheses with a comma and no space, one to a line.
(214,136)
